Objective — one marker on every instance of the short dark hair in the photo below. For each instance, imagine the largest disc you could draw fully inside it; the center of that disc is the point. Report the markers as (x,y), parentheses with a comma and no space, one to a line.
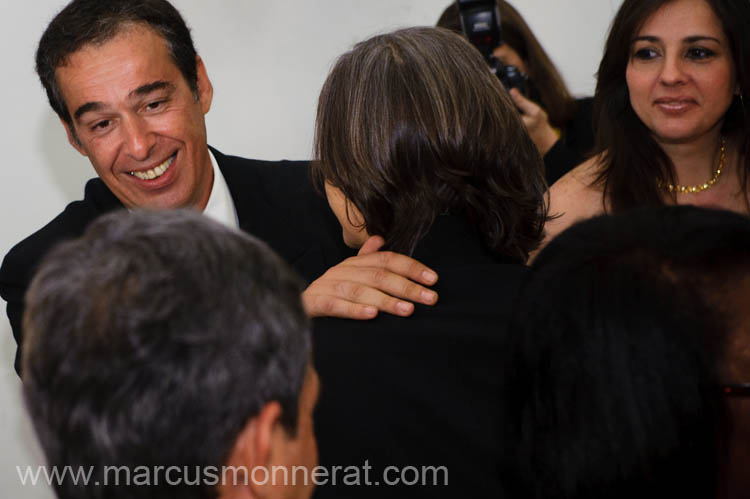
(152,340)
(412,125)
(616,352)
(84,22)
(553,94)
(633,164)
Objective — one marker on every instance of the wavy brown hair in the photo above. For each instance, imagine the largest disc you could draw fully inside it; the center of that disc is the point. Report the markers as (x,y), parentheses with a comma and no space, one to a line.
(412,125)
(633,164)
(553,94)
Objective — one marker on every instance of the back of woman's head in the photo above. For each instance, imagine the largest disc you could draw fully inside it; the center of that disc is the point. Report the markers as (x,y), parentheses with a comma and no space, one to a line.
(412,125)
(613,377)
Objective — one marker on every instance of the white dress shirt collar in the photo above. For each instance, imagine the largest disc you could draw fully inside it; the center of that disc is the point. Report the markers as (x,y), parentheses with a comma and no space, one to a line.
(220,205)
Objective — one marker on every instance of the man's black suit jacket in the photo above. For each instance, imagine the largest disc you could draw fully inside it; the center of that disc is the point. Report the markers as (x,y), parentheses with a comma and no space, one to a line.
(275,201)
(424,390)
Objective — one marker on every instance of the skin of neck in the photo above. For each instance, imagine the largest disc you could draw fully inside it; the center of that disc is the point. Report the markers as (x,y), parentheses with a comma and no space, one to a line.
(695,161)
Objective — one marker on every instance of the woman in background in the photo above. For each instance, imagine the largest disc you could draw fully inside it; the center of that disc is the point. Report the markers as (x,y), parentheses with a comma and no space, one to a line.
(559,125)
(670,115)
(417,142)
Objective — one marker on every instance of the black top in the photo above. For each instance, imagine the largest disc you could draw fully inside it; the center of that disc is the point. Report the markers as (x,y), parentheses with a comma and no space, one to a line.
(275,201)
(424,390)
(575,144)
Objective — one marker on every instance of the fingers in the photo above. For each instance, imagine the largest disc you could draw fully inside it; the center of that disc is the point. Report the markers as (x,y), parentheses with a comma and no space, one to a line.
(528,122)
(397,263)
(393,284)
(526,106)
(367,293)
(536,121)
(329,306)
(373,244)
(353,300)
(383,280)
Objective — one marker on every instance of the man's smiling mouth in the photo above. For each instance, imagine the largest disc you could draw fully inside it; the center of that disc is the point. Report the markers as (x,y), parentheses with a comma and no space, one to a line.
(155,172)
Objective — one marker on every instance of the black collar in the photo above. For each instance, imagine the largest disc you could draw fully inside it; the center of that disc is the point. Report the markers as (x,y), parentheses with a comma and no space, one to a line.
(452,241)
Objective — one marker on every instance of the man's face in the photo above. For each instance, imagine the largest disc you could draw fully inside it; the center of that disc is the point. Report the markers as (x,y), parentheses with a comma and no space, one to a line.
(302,449)
(138,122)
(278,463)
(353,228)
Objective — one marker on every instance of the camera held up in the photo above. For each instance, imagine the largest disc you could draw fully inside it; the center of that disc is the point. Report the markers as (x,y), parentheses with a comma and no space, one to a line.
(480,22)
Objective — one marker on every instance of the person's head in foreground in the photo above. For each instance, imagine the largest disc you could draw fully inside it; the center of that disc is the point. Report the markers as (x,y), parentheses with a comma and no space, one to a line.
(674,85)
(167,347)
(128,86)
(411,125)
(629,351)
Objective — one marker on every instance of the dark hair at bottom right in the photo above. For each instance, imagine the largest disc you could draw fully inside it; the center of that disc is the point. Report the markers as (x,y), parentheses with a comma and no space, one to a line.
(612,386)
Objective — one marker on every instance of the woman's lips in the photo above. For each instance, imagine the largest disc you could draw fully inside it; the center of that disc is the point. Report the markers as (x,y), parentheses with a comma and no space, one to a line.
(674,105)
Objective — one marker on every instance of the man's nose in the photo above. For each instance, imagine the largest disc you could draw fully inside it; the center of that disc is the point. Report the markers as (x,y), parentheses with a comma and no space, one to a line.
(139,139)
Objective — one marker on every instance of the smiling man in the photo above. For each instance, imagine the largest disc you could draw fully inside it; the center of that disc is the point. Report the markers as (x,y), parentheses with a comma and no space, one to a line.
(128,86)
(138,121)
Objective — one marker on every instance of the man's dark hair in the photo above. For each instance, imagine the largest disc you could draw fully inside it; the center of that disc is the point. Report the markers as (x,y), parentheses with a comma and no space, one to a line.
(152,340)
(618,349)
(84,22)
(412,125)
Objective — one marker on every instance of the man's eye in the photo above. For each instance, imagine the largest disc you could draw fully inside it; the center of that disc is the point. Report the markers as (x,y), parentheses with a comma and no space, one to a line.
(101,125)
(152,106)
(699,53)
(645,54)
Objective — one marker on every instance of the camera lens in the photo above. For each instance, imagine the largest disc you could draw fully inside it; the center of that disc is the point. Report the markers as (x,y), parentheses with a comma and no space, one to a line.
(512,77)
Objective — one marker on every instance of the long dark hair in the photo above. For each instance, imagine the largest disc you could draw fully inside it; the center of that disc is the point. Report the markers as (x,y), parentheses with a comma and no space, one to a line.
(553,94)
(622,332)
(633,164)
(412,125)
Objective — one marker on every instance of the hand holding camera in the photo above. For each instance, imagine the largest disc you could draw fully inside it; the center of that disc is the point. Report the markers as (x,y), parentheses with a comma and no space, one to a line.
(480,21)
(536,120)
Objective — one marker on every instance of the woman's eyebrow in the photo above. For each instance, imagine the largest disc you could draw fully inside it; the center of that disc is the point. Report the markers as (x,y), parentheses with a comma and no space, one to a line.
(701,38)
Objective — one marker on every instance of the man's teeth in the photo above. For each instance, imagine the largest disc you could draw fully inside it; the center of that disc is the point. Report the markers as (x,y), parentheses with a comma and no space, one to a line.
(154,172)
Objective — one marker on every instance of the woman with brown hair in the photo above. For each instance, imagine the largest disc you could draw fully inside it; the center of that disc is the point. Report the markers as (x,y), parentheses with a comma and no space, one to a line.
(559,125)
(416,141)
(671,121)
(402,140)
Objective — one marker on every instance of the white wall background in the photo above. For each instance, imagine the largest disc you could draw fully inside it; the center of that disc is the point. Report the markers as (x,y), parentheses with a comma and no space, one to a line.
(267,61)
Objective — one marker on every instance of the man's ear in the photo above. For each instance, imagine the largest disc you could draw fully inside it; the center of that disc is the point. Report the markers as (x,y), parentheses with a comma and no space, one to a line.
(253,448)
(205,89)
(72,138)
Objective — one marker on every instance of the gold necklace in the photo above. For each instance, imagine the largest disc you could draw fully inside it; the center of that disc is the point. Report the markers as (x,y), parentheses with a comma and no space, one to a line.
(692,189)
